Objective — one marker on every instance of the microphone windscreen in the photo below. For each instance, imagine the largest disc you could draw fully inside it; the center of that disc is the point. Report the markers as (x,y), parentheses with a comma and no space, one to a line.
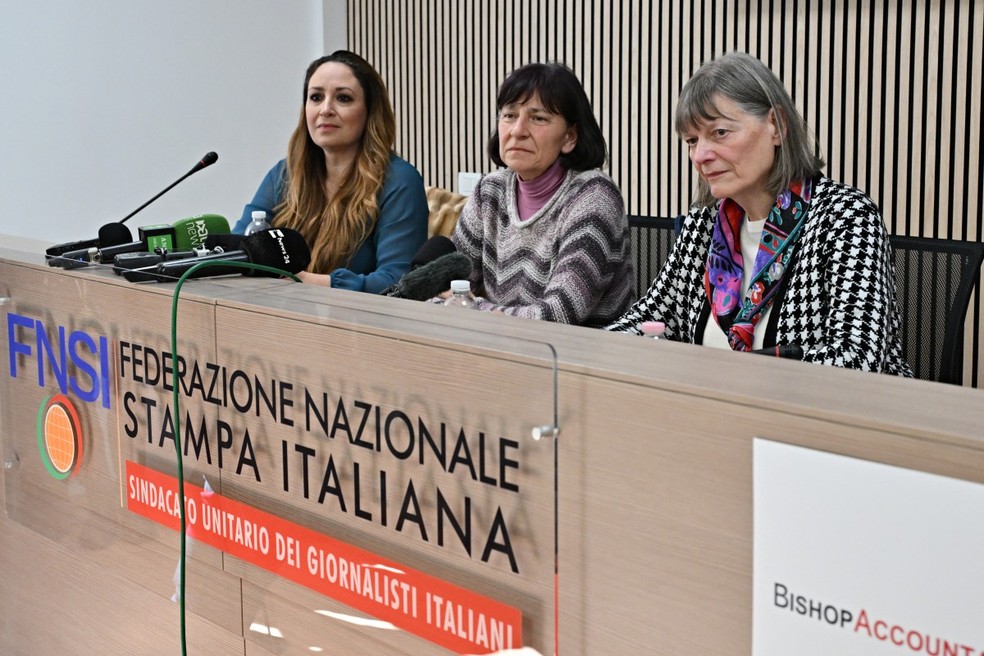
(432,249)
(227,242)
(434,278)
(280,248)
(192,233)
(113,234)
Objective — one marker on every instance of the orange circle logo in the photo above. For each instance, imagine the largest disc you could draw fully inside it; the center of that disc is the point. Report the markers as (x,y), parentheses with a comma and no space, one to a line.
(60,436)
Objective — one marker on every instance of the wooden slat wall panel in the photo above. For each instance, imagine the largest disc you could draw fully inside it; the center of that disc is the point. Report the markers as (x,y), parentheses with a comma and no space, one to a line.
(892,90)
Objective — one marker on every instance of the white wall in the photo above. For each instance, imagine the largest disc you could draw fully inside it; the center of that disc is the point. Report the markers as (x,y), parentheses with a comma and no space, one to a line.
(103,103)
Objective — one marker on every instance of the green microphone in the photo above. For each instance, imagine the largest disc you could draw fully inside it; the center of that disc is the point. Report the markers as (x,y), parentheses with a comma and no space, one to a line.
(183,235)
(190,234)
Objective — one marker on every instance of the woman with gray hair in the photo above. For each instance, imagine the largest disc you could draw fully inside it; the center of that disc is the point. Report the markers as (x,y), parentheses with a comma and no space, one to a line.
(773,256)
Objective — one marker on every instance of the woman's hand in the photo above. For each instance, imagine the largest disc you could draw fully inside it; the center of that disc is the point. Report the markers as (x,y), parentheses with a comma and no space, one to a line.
(309,278)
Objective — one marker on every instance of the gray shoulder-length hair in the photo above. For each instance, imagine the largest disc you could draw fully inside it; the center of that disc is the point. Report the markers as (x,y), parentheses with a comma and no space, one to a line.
(755,89)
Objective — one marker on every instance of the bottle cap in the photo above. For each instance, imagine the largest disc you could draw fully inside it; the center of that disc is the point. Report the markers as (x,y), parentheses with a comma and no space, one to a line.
(258,214)
(460,286)
(652,328)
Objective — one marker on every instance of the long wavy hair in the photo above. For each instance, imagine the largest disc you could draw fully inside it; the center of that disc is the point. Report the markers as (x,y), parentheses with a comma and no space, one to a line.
(335,227)
(756,90)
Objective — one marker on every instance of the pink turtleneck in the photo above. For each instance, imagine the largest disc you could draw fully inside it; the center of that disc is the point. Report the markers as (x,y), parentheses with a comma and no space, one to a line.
(531,195)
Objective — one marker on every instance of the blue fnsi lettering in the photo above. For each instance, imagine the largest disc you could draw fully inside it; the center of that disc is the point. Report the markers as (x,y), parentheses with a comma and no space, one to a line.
(53,352)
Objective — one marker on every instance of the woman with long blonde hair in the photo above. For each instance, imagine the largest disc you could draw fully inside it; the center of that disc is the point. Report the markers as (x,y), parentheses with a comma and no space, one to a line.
(361,208)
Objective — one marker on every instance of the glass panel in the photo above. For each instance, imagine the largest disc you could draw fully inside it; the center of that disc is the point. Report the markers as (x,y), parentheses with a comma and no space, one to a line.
(65,417)
(408,464)
(375,481)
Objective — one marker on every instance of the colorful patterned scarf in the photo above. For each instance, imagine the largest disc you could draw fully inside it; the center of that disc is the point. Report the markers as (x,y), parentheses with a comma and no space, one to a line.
(738,317)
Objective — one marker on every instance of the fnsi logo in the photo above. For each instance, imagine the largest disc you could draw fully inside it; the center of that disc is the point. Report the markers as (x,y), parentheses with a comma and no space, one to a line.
(59,436)
(79,365)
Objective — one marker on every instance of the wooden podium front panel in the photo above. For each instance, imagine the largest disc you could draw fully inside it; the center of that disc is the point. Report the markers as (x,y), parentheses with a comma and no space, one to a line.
(656,487)
(402,374)
(115,570)
(655,467)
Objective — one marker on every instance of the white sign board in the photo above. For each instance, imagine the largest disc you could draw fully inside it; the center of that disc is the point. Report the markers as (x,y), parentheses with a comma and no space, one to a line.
(854,557)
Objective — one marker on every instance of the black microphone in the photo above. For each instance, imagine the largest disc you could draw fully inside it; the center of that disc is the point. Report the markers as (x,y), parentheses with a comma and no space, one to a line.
(429,251)
(147,262)
(187,234)
(104,253)
(209,159)
(280,248)
(74,254)
(432,249)
(226,242)
(431,279)
(113,234)
(791,351)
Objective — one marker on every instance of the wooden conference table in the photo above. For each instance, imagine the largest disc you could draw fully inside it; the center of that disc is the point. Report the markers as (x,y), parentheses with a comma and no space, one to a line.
(374,475)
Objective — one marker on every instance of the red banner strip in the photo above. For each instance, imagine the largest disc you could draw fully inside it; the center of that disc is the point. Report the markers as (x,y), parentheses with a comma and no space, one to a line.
(428,607)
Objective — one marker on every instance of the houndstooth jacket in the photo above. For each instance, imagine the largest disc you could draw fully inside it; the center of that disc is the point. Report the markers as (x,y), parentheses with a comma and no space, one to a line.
(837,302)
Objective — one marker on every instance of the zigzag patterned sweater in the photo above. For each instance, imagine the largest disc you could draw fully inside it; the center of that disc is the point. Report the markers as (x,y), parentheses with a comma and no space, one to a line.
(568,263)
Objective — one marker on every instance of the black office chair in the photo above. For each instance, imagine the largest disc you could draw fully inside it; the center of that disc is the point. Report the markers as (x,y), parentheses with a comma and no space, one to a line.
(651,240)
(934,280)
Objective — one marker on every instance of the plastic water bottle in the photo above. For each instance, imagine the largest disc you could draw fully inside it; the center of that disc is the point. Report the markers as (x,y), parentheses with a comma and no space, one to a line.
(258,224)
(461,295)
(653,329)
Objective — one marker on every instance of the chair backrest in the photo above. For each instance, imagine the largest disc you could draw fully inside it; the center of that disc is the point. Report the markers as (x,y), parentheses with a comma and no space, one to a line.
(651,239)
(444,208)
(934,280)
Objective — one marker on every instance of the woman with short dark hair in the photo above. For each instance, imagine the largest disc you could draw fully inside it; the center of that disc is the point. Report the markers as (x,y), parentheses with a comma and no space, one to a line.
(547,234)
(772,253)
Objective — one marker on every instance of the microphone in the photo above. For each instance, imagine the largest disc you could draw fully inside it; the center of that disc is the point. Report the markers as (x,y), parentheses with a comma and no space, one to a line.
(429,251)
(190,235)
(431,279)
(185,234)
(156,236)
(209,159)
(226,242)
(142,267)
(280,248)
(111,233)
(791,351)
(432,249)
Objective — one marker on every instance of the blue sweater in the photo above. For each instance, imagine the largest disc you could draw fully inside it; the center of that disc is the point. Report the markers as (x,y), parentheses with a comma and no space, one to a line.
(385,255)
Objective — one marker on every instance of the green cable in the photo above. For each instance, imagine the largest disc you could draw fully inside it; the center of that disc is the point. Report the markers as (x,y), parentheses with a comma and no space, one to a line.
(177,420)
